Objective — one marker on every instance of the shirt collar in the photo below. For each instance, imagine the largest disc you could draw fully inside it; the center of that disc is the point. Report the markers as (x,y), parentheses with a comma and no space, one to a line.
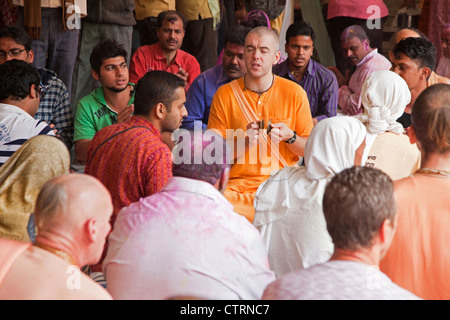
(202,188)
(139,121)
(284,68)
(160,55)
(367,57)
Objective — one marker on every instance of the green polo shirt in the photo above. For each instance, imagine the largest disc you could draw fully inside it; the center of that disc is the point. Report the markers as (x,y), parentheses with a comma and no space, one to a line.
(94,114)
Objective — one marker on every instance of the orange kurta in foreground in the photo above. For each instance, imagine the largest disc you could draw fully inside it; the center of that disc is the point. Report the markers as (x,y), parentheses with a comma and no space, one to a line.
(418,259)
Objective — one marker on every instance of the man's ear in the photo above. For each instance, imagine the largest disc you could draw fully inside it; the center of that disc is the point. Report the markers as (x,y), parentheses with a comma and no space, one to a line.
(91,230)
(277,57)
(33,92)
(425,73)
(31,56)
(160,110)
(412,135)
(95,75)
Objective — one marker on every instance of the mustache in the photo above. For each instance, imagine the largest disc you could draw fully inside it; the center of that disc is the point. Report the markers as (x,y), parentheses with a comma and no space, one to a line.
(233,68)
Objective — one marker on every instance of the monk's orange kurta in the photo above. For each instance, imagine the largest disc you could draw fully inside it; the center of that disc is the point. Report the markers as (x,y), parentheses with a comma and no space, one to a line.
(284,102)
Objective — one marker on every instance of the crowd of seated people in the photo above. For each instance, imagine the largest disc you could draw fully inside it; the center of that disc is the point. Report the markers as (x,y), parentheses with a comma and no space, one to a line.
(159,173)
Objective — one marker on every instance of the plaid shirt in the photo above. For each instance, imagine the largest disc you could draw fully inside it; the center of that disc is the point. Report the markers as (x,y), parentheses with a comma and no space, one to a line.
(54,107)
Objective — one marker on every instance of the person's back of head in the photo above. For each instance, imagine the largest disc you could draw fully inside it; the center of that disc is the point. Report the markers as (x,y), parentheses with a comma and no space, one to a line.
(17,80)
(72,212)
(203,156)
(357,203)
(430,117)
(300,28)
(153,88)
(384,96)
(421,50)
(106,49)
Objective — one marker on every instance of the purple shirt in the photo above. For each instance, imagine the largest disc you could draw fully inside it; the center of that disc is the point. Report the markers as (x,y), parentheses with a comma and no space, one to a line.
(320,85)
(200,94)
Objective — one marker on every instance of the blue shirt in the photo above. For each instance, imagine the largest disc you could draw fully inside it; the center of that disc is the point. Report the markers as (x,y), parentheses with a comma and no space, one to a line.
(200,95)
(320,85)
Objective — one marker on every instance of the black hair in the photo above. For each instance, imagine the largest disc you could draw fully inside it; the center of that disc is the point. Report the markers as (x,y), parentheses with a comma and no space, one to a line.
(18,35)
(153,88)
(106,49)
(300,28)
(419,49)
(16,79)
(236,35)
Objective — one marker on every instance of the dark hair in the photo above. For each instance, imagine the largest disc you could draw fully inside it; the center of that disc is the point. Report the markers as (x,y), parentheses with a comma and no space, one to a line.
(153,88)
(202,156)
(18,35)
(256,18)
(16,79)
(300,28)
(356,203)
(106,49)
(419,49)
(170,15)
(430,118)
(236,35)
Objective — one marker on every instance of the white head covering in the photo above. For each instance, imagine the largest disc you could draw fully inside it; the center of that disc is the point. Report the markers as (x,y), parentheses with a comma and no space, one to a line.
(331,146)
(288,206)
(384,96)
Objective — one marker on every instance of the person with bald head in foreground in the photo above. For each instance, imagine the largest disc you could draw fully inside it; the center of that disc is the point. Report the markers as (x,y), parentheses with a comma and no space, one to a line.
(72,218)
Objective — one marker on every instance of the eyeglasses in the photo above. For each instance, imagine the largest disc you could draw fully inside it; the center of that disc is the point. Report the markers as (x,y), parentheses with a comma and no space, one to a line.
(12,53)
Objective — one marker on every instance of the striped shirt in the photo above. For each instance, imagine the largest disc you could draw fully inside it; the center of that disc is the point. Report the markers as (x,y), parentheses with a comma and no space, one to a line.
(320,85)
(16,127)
(54,107)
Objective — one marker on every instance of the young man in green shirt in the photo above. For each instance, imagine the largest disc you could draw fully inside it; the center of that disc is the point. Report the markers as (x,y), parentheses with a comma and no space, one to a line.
(109,104)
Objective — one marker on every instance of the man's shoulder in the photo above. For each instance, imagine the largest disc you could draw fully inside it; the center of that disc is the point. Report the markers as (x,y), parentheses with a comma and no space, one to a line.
(93,99)
(50,79)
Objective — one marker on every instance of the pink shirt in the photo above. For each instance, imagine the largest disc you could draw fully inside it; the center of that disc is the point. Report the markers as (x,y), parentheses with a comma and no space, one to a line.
(360,9)
(150,57)
(185,240)
(350,96)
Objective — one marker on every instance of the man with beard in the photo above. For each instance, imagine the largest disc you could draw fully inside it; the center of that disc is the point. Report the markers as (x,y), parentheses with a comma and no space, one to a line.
(165,55)
(202,90)
(319,83)
(109,104)
(130,158)
(356,47)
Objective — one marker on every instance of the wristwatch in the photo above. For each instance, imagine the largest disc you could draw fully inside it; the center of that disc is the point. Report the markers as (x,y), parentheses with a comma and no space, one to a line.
(291,140)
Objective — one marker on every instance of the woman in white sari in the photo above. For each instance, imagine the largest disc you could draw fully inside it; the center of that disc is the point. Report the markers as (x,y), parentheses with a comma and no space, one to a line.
(289,204)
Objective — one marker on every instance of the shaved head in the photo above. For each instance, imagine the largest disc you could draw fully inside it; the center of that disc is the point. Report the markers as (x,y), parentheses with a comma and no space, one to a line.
(67,201)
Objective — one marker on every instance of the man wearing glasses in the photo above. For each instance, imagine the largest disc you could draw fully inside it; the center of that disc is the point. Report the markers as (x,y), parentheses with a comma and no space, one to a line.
(54,107)
(19,101)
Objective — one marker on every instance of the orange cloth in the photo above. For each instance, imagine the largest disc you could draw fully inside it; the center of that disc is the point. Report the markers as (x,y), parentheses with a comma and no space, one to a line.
(418,259)
(32,273)
(284,102)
